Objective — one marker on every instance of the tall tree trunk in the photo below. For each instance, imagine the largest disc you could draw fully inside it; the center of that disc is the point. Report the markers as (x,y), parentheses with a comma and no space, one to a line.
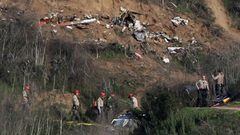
(36,55)
(97,53)
(14,80)
(44,79)
(24,80)
(61,126)
(3,48)
(54,82)
(43,55)
(64,83)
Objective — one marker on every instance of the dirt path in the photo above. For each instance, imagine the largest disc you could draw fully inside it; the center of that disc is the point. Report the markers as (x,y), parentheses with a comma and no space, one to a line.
(227,108)
(222,19)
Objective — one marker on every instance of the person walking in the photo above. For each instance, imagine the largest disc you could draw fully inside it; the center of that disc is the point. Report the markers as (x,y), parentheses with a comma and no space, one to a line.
(26,99)
(100,102)
(111,106)
(76,104)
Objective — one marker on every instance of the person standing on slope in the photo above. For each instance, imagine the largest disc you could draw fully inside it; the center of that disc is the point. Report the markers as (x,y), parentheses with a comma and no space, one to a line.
(219,80)
(26,100)
(100,102)
(203,91)
(76,105)
(134,101)
(111,105)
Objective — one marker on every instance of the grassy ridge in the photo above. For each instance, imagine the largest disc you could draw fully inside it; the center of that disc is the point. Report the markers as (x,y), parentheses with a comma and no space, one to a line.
(202,121)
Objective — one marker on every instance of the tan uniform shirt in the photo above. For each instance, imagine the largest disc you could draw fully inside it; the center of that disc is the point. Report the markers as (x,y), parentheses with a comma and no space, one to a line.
(100,104)
(202,84)
(75,100)
(219,78)
(25,96)
(134,102)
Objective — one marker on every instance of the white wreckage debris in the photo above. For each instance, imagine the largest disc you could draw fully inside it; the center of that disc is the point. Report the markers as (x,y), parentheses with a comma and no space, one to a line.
(140,32)
(124,28)
(193,41)
(69,27)
(140,36)
(124,120)
(166,59)
(122,9)
(125,19)
(128,20)
(159,34)
(54,31)
(179,21)
(177,39)
(88,21)
(120,122)
(139,56)
(108,26)
(138,26)
(84,22)
(164,36)
(173,4)
(174,50)
(52,15)
(58,19)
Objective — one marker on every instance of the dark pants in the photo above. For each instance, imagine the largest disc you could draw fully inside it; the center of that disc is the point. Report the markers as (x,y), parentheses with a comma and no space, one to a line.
(202,98)
(101,111)
(75,113)
(109,114)
(219,90)
(101,115)
(26,106)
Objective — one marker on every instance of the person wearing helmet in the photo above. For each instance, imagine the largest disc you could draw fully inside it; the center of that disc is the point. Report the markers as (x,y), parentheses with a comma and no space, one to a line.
(100,102)
(134,101)
(76,104)
(25,93)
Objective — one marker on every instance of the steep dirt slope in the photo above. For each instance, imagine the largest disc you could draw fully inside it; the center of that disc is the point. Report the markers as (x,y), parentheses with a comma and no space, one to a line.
(148,71)
(158,18)
(222,19)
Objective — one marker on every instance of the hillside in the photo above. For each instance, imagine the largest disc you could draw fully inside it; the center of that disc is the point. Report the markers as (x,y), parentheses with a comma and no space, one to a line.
(148,70)
(116,46)
(158,19)
(222,18)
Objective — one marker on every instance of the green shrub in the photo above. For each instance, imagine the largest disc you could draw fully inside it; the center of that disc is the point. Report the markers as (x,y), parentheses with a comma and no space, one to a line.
(112,51)
(189,58)
(158,105)
(203,121)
